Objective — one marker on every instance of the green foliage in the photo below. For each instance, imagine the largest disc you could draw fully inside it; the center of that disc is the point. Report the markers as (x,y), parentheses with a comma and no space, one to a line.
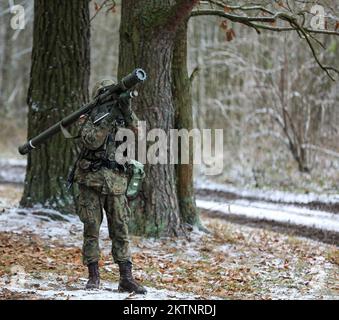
(332,47)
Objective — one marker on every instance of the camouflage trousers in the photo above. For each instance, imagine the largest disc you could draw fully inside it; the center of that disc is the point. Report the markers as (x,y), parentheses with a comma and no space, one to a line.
(90,206)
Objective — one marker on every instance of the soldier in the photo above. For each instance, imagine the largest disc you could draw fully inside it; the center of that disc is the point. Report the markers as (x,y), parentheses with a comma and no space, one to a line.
(102,185)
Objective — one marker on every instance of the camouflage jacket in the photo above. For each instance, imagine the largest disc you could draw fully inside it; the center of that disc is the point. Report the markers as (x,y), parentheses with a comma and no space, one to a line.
(96,139)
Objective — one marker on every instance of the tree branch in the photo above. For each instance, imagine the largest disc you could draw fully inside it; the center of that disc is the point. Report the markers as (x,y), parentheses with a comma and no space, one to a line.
(181,11)
(250,21)
(101,7)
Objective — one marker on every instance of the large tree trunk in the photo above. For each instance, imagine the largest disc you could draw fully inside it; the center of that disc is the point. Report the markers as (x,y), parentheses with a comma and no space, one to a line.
(181,89)
(58,85)
(147,36)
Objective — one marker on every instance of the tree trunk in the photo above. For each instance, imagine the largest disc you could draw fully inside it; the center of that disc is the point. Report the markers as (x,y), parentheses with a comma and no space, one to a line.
(58,85)
(181,90)
(147,36)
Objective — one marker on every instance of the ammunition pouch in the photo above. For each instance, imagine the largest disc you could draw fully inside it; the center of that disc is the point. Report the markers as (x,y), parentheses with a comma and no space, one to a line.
(137,174)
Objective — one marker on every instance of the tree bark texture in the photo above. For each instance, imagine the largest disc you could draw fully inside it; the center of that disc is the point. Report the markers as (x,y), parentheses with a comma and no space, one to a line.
(58,85)
(147,40)
(181,90)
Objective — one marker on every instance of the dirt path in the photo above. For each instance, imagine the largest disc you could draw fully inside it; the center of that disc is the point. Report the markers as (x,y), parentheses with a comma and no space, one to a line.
(220,192)
(317,225)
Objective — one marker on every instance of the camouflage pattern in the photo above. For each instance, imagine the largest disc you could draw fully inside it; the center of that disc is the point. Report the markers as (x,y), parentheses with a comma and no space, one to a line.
(94,138)
(90,210)
(101,84)
(103,189)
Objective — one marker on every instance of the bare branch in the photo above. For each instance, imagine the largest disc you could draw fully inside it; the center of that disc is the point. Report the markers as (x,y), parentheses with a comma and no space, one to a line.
(292,20)
(101,7)
(320,149)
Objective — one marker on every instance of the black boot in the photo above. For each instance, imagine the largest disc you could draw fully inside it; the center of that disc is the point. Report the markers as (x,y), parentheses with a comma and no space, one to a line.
(127,282)
(93,276)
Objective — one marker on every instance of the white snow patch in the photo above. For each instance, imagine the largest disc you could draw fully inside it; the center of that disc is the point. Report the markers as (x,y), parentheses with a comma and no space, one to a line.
(4,162)
(317,286)
(24,220)
(269,195)
(270,212)
(12,170)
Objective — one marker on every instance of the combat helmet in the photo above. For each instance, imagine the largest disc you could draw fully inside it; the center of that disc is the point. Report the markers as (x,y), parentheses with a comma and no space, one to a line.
(100,85)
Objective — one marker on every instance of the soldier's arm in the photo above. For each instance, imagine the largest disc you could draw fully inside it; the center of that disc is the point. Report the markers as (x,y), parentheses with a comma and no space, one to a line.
(131,118)
(94,135)
(133,122)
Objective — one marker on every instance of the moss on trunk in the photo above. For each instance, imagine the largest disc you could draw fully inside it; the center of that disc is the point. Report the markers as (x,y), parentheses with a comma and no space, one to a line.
(181,90)
(147,40)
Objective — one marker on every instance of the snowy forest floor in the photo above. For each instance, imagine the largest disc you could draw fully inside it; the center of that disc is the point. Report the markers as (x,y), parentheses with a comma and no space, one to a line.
(40,258)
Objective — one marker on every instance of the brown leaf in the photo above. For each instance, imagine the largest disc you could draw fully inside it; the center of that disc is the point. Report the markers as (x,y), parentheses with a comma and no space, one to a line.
(337,26)
(101,263)
(224,25)
(230,35)
(113,9)
(227,9)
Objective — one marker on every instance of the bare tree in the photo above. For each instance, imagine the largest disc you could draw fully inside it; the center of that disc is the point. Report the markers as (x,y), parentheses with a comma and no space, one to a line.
(291,97)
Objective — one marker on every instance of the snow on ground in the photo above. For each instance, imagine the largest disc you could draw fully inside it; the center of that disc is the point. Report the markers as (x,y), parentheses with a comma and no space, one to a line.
(273,212)
(21,221)
(57,288)
(68,231)
(12,170)
(232,262)
(25,220)
(269,195)
(4,162)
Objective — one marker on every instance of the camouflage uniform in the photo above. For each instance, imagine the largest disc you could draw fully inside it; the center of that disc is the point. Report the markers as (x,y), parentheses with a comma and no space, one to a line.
(103,188)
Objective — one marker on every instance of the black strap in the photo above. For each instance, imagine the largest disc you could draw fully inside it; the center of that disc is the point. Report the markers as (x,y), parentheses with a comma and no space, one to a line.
(70,178)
